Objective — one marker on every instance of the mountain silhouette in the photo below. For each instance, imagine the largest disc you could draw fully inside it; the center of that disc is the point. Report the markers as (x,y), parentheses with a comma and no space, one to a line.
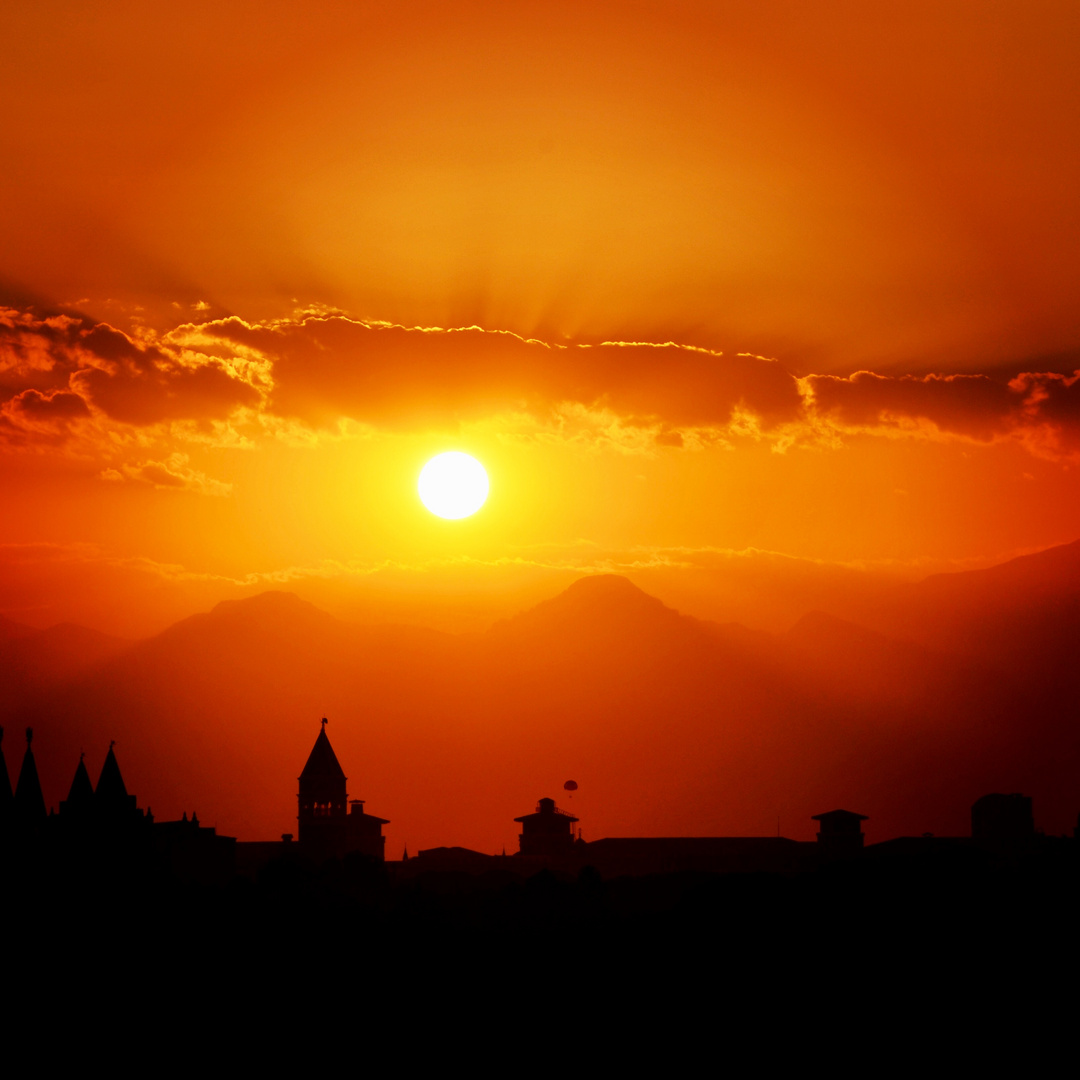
(672,725)
(32,659)
(602,602)
(1023,609)
(860,663)
(11,630)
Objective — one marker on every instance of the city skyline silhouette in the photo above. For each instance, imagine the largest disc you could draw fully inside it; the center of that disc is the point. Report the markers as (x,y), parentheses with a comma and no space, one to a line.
(728,728)
(563,512)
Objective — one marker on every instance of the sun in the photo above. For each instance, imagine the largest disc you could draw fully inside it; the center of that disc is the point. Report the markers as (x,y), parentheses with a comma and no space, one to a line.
(453,485)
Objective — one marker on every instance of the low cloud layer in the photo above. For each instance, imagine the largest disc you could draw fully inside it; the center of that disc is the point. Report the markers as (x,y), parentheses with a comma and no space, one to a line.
(64,377)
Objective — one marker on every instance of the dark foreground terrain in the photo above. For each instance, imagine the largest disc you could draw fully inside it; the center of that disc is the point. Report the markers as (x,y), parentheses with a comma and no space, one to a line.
(845,948)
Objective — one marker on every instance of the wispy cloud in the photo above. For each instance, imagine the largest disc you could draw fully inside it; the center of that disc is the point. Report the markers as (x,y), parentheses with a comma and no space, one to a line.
(174,472)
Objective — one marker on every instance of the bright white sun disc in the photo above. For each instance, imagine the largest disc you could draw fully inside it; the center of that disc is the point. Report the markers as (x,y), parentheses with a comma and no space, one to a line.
(453,485)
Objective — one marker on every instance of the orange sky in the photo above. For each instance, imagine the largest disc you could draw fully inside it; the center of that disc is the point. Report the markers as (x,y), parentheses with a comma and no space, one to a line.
(690,279)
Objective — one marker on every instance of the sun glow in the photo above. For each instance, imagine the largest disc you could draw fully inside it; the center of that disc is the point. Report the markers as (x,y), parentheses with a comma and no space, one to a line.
(453,485)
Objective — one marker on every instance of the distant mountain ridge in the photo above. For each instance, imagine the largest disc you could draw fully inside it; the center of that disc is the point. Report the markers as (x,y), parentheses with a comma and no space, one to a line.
(10,630)
(1021,612)
(671,724)
(31,659)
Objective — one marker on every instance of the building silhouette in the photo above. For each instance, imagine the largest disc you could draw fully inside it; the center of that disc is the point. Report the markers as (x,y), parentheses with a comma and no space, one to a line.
(330,824)
(80,800)
(29,802)
(548,831)
(101,830)
(840,833)
(7,796)
(1002,818)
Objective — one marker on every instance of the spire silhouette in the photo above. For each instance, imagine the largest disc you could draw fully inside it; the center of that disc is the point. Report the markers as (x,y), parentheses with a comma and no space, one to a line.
(110,785)
(328,826)
(7,796)
(81,793)
(29,801)
(111,795)
(322,763)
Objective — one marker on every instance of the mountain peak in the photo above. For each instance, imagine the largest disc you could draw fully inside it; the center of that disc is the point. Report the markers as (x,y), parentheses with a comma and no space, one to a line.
(273,601)
(604,585)
(274,612)
(605,594)
(600,602)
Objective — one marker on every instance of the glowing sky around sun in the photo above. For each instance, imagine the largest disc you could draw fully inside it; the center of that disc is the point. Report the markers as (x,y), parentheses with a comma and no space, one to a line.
(693,281)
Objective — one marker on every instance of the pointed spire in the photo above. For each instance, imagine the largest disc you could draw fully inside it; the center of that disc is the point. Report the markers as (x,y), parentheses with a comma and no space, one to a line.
(111,796)
(29,802)
(405,854)
(322,762)
(81,794)
(6,794)
(81,790)
(110,785)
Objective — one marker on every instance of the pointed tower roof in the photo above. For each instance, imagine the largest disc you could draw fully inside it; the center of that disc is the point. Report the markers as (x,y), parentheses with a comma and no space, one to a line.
(6,794)
(29,801)
(82,791)
(322,762)
(110,785)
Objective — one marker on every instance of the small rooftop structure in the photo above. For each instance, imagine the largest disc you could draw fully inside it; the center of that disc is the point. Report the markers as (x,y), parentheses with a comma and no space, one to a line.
(840,832)
(548,831)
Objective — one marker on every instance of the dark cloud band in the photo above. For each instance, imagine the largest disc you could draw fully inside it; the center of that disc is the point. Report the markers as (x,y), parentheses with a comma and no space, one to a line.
(319,369)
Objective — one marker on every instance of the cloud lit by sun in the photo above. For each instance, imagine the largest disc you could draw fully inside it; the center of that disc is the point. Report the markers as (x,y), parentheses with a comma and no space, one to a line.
(683,281)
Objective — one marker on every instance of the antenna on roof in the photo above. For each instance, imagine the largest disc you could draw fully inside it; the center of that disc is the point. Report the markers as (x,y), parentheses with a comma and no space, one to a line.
(29,735)
(324,722)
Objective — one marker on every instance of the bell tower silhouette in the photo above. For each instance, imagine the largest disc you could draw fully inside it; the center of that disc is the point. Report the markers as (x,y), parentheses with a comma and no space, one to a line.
(328,826)
(322,793)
